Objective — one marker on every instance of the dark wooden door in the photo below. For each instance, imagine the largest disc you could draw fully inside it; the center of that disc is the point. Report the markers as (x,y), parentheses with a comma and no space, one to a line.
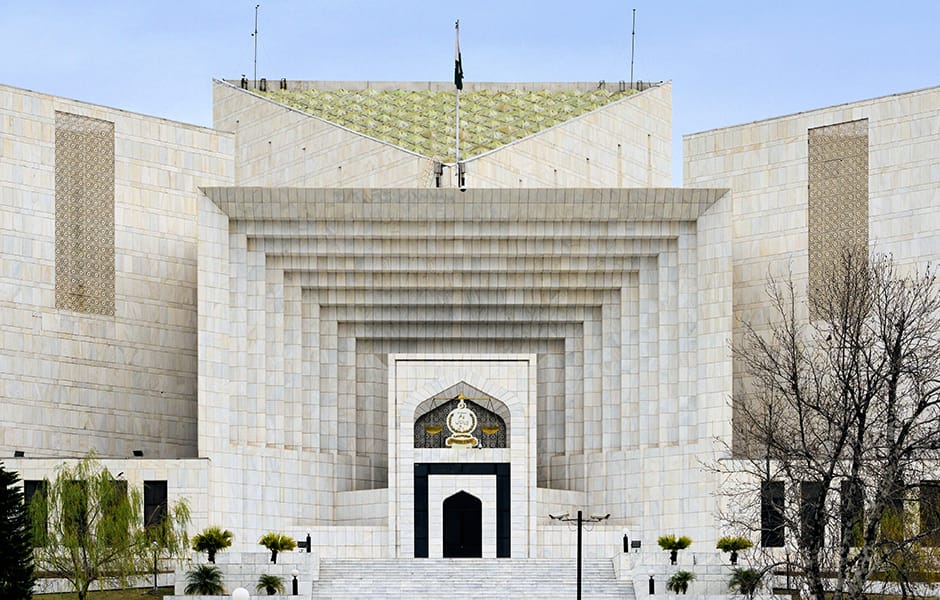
(463,526)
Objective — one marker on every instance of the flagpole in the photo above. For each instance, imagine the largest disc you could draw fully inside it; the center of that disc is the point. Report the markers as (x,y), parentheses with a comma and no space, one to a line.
(458,83)
(457,140)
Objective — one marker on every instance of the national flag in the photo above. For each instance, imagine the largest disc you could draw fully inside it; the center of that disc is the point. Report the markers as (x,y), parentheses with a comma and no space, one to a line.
(458,66)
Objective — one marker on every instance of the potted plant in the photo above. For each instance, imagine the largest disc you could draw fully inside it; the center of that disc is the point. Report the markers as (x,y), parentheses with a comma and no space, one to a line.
(212,540)
(679,582)
(673,544)
(204,580)
(745,581)
(277,542)
(733,544)
(271,584)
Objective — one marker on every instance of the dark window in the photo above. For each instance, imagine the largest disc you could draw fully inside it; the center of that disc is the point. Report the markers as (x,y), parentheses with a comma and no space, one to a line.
(812,513)
(115,509)
(930,512)
(853,512)
(74,500)
(34,497)
(894,521)
(771,514)
(155,504)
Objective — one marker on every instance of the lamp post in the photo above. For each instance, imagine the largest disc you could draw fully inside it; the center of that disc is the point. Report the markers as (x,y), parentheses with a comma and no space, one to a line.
(294,586)
(580,520)
(240,594)
(156,550)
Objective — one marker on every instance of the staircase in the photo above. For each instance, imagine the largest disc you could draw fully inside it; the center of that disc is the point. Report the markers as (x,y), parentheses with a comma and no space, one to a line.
(484,579)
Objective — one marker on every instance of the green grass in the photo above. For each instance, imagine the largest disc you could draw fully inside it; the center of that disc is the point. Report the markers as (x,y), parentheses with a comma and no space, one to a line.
(111,594)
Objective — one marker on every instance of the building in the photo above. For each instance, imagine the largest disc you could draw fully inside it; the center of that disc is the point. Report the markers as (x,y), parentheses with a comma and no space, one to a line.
(274,317)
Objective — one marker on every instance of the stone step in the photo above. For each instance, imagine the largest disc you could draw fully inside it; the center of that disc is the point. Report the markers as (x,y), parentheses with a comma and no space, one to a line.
(493,579)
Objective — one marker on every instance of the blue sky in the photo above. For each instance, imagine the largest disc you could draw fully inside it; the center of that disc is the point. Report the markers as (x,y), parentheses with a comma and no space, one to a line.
(730,62)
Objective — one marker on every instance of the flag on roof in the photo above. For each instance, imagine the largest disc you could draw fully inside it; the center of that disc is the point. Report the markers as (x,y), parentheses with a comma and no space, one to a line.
(458,67)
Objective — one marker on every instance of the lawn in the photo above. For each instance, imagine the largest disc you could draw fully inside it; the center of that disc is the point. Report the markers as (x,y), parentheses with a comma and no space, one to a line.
(111,594)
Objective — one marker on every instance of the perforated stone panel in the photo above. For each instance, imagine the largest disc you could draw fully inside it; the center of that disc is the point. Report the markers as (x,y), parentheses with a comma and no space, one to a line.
(84,214)
(838,198)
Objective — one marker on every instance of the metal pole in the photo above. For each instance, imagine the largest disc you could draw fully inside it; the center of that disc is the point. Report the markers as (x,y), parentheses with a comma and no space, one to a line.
(579,554)
(255,35)
(632,47)
(457,140)
(155,567)
(457,112)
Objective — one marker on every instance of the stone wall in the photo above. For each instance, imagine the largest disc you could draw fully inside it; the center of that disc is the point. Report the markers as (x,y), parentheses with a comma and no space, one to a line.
(71,381)
(766,163)
(621,295)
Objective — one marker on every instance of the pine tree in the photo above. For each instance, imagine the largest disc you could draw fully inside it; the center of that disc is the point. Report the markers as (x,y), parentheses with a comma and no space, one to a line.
(16,551)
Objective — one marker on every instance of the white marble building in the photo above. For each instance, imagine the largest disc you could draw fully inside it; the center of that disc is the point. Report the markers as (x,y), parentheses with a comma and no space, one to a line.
(272,311)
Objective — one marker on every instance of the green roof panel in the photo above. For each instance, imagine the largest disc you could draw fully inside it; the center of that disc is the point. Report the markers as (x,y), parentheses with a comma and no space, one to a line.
(423,121)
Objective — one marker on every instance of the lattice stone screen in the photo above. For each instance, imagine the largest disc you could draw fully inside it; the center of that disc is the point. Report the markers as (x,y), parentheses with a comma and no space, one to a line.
(838,198)
(84,214)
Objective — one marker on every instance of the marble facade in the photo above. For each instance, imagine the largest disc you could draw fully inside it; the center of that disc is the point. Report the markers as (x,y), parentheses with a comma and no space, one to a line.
(290,294)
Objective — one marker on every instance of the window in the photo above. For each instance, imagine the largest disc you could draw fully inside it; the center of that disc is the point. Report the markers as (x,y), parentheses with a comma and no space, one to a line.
(853,512)
(155,504)
(34,498)
(812,513)
(930,512)
(771,514)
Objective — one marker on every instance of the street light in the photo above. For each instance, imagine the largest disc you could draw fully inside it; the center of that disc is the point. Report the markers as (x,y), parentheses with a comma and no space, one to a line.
(240,594)
(294,573)
(580,520)
(156,550)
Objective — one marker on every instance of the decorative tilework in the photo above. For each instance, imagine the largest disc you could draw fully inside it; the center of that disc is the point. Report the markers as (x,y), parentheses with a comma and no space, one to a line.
(838,198)
(84,214)
(431,430)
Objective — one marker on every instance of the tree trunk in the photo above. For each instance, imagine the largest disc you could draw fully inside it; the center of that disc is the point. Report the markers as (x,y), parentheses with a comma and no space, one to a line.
(734,557)
(212,556)
(274,556)
(673,556)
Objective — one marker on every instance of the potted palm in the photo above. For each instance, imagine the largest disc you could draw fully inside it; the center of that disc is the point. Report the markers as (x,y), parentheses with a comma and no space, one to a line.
(277,542)
(673,544)
(271,584)
(679,582)
(733,544)
(212,540)
(745,581)
(204,580)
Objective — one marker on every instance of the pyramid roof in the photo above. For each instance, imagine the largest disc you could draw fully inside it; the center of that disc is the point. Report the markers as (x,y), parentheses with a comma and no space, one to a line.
(423,120)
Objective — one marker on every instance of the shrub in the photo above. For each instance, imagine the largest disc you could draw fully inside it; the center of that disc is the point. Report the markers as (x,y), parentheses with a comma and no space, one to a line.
(745,581)
(212,540)
(204,580)
(673,544)
(679,582)
(277,542)
(271,584)
(733,544)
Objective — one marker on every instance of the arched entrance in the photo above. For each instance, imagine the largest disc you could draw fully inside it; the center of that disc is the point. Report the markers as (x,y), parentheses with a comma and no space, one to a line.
(463,526)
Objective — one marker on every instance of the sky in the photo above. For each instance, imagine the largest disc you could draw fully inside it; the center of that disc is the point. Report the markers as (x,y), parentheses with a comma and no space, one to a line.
(730,62)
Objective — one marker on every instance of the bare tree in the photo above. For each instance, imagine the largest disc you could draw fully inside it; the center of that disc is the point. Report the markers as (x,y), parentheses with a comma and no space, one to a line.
(843,409)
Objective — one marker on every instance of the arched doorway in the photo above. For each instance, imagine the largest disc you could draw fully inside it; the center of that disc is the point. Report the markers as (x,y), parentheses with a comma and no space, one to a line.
(463,526)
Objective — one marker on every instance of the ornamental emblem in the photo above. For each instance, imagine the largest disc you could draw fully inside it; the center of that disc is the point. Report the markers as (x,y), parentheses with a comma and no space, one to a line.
(461,421)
